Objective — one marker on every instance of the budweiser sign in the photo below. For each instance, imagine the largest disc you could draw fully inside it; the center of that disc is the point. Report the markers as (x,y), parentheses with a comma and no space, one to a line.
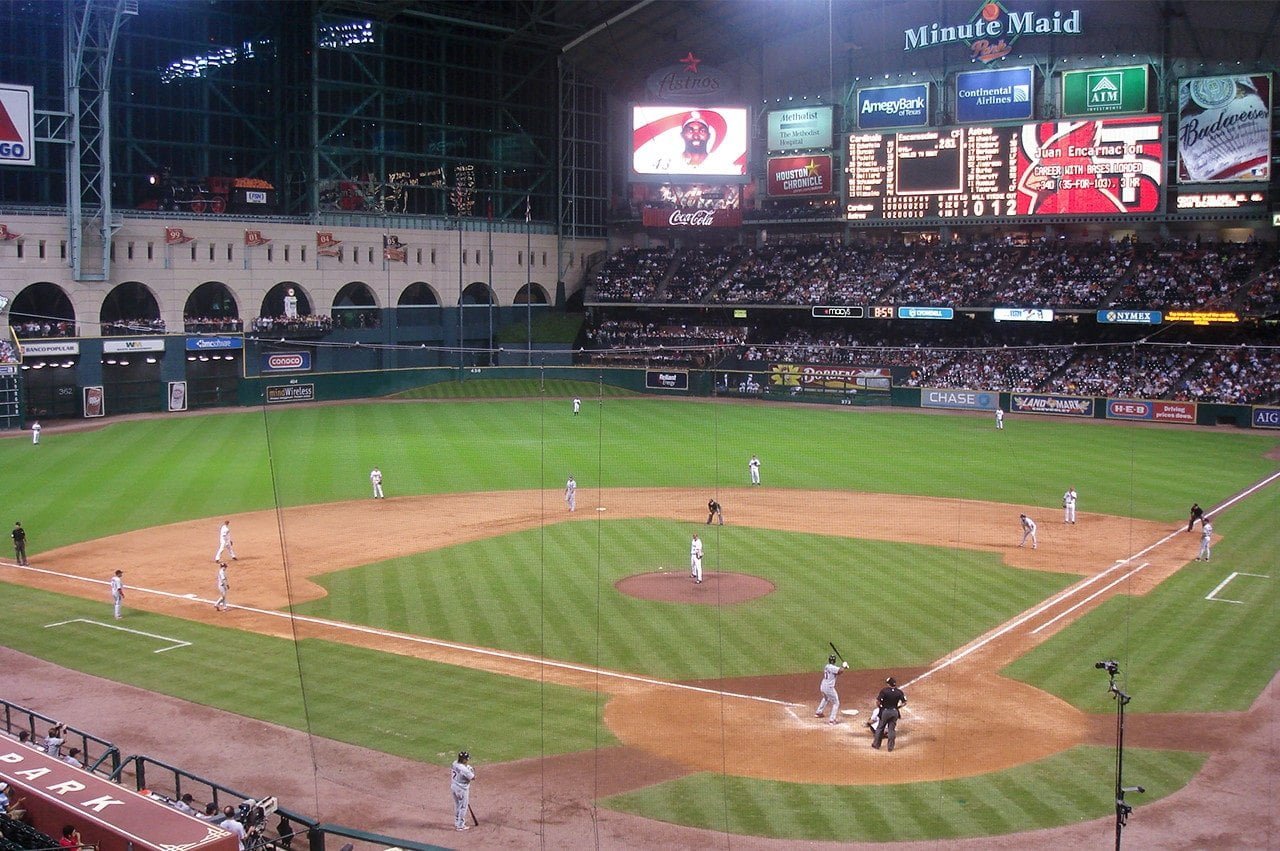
(791,176)
(692,218)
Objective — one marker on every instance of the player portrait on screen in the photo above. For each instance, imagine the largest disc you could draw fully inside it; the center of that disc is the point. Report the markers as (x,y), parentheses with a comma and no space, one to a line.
(689,140)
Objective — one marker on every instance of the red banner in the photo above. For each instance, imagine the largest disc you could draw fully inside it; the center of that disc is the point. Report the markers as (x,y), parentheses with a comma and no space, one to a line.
(692,218)
(175,236)
(254,238)
(791,176)
(326,245)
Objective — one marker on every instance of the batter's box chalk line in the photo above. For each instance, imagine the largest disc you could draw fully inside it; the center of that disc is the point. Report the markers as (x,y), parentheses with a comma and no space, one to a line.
(174,643)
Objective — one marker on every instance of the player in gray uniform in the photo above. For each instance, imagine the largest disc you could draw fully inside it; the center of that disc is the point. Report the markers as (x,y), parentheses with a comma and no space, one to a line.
(1206,538)
(1069,506)
(460,776)
(224,542)
(571,494)
(117,591)
(828,688)
(1028,531)
(223,587)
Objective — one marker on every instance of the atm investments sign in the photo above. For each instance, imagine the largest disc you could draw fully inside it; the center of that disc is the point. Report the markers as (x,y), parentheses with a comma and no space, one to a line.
(1007,94)
(991,31)
(1105,91)
(884,107)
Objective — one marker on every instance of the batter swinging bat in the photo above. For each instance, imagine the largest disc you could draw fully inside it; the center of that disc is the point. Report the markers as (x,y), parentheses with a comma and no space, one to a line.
(475,821)
(837,652)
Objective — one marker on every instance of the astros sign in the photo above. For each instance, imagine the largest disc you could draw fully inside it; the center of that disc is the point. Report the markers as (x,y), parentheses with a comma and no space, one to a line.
(17,125)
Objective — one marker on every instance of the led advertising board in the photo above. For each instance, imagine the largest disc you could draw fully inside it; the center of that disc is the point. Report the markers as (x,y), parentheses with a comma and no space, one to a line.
(1224,128)
(884,107)
(800,129)
(1103,167)
(689,141)
(1004,94)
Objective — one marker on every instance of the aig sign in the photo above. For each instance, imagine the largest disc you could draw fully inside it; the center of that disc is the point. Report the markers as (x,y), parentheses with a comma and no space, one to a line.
(1266,417)
(17,125)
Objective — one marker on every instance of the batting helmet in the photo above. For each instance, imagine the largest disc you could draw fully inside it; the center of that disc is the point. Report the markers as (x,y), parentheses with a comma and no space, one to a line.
(831,660)
(463,756)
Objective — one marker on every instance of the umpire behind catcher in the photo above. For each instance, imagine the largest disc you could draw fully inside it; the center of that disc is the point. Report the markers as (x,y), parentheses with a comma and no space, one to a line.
(889,701)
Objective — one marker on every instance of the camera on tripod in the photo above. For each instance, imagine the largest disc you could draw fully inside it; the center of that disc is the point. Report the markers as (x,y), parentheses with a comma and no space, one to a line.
(253,814)
(1108,665)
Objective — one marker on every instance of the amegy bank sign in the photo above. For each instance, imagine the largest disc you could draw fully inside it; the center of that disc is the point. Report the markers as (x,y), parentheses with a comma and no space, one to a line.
(990,32)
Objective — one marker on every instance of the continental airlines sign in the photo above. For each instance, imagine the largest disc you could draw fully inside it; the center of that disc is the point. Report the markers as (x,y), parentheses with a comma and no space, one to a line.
(992,30)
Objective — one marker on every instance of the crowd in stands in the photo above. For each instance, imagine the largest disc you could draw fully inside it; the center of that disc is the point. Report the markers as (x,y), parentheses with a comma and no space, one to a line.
(212,324)
(126,327)
(311,325)
(7,352)
(1040,273)
(44,329)
(628,342)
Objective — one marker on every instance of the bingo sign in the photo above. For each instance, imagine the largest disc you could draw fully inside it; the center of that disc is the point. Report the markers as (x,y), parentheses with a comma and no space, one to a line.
(1160,412)
(291,393)
(286,362)
(17,125)
(893,106)
(1007,94)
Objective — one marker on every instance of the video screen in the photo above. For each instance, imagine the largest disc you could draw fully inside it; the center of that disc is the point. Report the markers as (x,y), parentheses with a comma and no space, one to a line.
(689,141)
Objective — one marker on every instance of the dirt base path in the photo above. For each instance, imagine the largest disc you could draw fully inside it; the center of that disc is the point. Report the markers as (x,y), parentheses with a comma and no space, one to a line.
(736,728)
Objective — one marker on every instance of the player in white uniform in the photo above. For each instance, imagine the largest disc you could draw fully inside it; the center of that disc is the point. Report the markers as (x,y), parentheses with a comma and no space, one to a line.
(117,591)
(460,777)
(1069,505)
(375,477)
(1028,531)
(828,688)
(695,559)
(754,466)
(1206,538)
(577,405)
(35,434)
(571,494)
(223,587)
(224,542)
(999,418)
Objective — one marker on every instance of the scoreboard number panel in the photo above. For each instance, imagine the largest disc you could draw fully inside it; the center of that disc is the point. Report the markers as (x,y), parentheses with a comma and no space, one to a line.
(1104,167)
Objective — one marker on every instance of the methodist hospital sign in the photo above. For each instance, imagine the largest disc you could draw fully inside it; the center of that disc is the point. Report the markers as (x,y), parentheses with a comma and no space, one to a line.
(991,31)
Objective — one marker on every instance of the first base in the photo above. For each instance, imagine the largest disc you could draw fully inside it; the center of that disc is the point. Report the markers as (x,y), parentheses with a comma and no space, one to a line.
(601,508)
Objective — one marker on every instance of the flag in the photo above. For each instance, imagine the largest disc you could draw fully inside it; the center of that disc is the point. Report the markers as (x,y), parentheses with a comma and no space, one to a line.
(254,238)
(7,234)
(528,209)
(326,245)
(175,236)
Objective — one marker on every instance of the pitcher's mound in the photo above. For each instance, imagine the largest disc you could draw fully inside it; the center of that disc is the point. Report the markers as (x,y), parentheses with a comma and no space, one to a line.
(675,586)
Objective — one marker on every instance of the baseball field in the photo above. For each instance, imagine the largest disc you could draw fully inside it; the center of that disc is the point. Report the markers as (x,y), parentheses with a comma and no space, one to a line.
(590,678)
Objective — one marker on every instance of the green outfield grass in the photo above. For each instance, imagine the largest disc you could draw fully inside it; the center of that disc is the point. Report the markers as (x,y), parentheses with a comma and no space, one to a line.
(549,591)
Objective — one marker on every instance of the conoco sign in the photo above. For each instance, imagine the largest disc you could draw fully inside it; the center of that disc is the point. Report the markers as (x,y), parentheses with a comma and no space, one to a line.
(692,218)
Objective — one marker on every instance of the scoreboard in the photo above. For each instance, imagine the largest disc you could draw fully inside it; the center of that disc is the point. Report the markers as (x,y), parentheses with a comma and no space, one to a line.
(1102,167)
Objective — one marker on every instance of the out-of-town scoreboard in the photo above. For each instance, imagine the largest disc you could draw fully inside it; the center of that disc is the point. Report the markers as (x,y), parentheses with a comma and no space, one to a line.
(1104,167)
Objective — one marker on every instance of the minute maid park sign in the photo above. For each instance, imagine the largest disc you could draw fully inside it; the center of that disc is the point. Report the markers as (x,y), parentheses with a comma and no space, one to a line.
(992,30)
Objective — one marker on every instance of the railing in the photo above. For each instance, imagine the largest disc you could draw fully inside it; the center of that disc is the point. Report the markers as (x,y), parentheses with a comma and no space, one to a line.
(100,756)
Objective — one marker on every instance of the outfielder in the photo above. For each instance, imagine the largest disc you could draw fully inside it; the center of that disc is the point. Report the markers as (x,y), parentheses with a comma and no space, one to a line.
(117,591)
(223,587)
(1028,531)
(695,559)
(577,405)
(571,494)
(460,777)
(999,418)
(828,688)
(35,434)
(224,542)
(888,703)
(754,466)
(1069,505)
(1206,537)
(375,477)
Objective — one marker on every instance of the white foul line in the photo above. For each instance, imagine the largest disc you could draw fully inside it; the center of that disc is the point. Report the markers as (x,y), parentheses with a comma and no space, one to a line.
(175,643)
(1223,584)
(1086,600)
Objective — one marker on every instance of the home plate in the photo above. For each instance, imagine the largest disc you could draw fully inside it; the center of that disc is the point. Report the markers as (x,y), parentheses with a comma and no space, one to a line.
(848,712)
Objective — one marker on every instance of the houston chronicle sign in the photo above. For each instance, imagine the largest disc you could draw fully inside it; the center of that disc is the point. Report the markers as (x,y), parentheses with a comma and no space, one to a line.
(992,24)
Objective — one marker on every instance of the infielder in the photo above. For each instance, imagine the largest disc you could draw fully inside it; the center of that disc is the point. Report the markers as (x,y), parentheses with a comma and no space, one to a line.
(117,591)
(1028,531)
(460,777)
(1206,536)
(888,703)
(571,494)
(223,587)
(375,477)
(695,559)
(999,418)
(1069,505)
(828,688)
(224,542)
(754,466)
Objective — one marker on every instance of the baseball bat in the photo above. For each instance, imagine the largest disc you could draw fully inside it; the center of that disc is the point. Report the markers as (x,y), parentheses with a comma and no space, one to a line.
(837,652)
(475,821)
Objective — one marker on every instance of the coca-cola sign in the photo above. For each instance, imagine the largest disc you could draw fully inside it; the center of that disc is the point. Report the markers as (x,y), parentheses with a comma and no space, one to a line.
(658,218)
(689,81)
